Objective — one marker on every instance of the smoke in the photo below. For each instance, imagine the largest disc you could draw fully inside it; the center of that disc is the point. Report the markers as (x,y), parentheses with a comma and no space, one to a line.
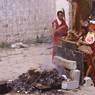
(48,65)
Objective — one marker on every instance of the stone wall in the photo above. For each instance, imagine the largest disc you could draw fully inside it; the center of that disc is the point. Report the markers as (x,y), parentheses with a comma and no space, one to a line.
(22,20)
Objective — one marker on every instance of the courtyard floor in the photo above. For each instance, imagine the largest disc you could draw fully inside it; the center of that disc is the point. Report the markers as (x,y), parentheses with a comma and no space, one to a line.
(14,62)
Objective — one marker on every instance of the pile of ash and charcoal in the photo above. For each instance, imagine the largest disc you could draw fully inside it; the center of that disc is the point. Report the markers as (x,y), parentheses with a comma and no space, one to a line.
(33,81)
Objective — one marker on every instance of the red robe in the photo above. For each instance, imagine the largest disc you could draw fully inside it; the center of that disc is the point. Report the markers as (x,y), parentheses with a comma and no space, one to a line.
(59,34)
(92,27)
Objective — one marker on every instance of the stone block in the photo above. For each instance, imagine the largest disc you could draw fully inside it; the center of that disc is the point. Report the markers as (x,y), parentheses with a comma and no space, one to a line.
(75,75)
(70,85)
(69,64)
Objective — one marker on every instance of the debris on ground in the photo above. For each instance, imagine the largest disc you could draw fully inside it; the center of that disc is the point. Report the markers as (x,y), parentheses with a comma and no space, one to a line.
(37,81)
(88,82)
(4,45)
(19,45)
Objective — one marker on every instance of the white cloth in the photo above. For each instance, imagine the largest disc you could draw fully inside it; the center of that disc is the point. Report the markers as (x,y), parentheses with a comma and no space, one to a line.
(92,21)
(90,38)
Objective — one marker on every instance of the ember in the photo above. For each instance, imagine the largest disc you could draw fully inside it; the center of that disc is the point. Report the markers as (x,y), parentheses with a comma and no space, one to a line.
(37,81)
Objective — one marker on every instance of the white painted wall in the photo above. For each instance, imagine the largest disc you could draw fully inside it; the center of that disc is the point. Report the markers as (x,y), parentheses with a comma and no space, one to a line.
(66,5)
(22,20)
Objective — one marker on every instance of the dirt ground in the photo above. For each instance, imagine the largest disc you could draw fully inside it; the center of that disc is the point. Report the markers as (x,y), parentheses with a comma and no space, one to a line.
(82,91)
(14,62)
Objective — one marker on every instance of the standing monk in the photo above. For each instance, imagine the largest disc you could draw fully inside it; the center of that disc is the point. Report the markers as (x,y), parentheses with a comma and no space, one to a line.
(60,29)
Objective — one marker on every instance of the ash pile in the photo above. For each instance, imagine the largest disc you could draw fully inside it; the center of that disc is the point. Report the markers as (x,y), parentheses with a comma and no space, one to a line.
(33,81)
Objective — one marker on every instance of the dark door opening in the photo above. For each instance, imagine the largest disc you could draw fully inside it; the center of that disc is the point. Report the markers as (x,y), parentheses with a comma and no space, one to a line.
(93,7)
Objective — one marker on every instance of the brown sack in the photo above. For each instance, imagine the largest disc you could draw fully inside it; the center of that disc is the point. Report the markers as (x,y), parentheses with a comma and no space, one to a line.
(86,49)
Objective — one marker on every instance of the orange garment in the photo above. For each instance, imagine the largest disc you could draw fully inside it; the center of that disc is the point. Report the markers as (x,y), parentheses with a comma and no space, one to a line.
(90,57)
(89,62)
(92,27)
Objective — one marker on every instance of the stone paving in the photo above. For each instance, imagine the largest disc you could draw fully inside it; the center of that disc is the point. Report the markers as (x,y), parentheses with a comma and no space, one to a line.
(14,62)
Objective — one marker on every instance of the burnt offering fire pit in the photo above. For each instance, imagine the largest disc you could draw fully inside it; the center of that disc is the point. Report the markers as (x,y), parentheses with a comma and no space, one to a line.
(33,81)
